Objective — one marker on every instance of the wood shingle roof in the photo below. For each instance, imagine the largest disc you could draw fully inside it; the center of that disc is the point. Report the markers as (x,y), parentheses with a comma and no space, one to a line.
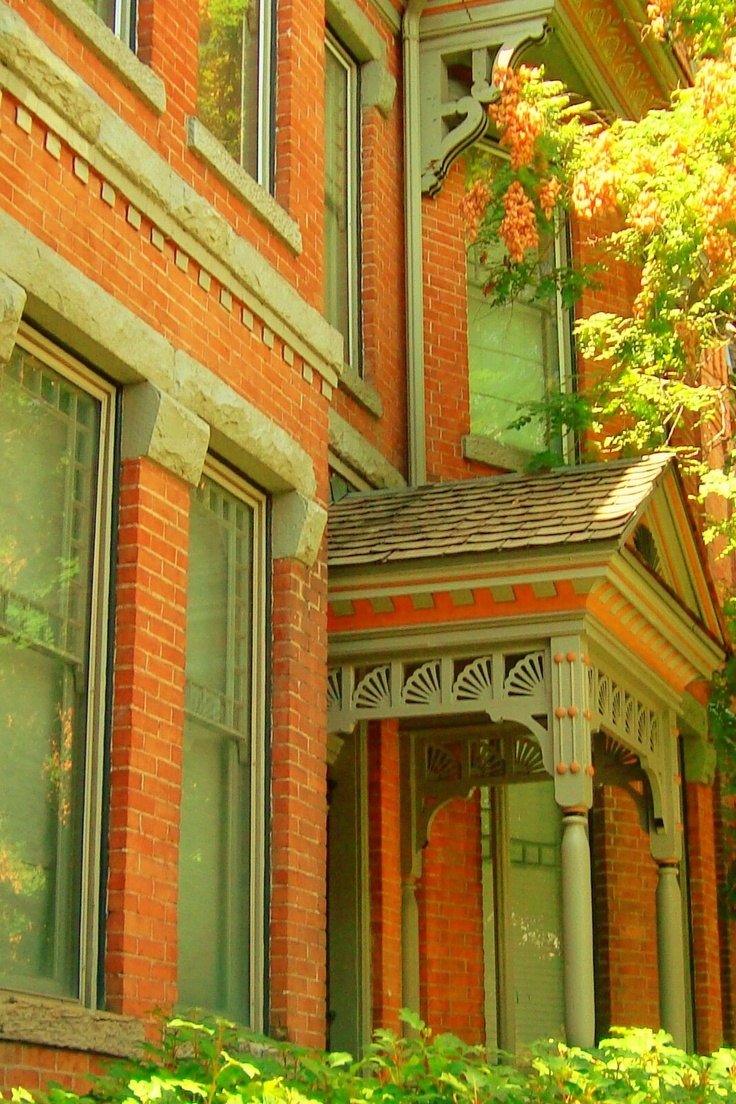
(592,502)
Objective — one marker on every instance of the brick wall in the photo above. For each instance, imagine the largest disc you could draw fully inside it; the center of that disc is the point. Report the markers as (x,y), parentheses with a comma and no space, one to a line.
(625,884)
(299,806)
(146,757)
(450,899)
(384,835)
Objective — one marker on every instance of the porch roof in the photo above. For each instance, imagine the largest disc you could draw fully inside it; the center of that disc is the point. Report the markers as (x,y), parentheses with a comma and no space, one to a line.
(593,502)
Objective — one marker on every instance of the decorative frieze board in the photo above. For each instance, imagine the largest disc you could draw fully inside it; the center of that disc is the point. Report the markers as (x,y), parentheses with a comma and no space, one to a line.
(555,693)
(683,631)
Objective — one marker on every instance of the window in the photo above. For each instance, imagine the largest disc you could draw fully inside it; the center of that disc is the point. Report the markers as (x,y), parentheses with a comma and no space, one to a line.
(518,353)
(234,82)
(221,845)
(55,467)
(342,198)
(522,905)
(119,16)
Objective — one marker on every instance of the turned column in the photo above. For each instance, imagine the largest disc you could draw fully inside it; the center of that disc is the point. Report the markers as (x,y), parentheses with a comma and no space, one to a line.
(577,929)
(670,953)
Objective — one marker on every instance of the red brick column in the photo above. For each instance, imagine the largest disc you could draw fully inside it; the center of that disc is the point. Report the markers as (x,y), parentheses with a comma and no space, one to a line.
(299,804)
(148,719)
(450,896)
(625,885)
(701,853)
(384,841)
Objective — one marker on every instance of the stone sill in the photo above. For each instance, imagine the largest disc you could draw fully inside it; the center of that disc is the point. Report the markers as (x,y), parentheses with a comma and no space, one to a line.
(488,451)
(362,392)
(202,142)
(108,47)
(64,1024)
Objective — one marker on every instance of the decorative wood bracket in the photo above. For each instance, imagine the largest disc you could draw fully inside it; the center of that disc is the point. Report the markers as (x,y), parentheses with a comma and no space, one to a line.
(456,75)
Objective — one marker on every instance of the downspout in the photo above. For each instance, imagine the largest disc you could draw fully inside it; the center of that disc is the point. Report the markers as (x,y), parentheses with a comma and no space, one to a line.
(416,414)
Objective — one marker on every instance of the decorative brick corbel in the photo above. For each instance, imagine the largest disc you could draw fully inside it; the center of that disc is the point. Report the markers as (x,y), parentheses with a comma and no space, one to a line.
(12,304)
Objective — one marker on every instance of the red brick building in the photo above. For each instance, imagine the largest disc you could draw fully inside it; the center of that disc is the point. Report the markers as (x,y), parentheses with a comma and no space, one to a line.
(234,285)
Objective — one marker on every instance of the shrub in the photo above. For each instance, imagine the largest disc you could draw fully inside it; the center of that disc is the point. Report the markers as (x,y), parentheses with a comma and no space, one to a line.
(216,1063)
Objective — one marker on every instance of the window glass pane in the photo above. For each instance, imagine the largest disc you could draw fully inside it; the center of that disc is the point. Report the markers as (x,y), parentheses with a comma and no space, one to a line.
(49,438)
(230,61)
(214,900)
(341,198)
(513,357)
(535,891)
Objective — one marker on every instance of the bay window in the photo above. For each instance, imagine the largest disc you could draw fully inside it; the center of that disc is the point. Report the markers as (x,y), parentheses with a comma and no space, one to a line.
(55,470)
(221,844)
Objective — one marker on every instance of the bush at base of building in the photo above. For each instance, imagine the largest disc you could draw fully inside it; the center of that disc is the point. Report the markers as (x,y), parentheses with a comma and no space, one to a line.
(214,1063)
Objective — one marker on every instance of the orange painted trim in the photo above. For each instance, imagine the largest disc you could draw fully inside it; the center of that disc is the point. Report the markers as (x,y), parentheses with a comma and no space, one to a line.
(631,640)
(445,612)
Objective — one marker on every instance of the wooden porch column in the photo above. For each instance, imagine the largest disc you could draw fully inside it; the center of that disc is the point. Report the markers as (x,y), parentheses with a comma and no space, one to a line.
(670,953)
(577,928)
(410,994)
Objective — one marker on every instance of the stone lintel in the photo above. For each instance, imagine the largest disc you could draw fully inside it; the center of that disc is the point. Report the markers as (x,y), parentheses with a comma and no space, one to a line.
(356,32)
(62,101)
(76,311)
(159,427)
(12,304)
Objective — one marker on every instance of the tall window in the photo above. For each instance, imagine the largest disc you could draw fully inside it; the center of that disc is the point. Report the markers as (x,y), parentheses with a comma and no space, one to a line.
(342,198)
(522,905)
(518,353)
(221,846)
(234,83)
(54,518)
(119,15)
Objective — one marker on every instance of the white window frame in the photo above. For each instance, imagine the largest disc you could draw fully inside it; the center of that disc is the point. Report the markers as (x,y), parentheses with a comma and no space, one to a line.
(351,67)
(225,478)
(90,920)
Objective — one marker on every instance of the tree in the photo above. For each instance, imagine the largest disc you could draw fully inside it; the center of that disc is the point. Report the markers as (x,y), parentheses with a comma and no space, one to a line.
(659,194)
